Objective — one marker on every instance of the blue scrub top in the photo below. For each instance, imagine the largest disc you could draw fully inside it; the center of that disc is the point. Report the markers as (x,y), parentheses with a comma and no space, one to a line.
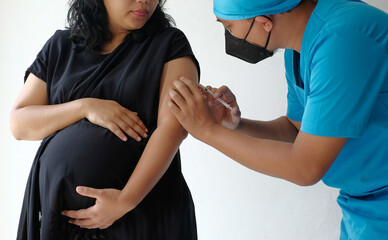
(338,87)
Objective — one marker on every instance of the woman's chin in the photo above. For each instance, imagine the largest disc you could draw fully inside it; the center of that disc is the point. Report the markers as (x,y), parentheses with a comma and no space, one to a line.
(135,24)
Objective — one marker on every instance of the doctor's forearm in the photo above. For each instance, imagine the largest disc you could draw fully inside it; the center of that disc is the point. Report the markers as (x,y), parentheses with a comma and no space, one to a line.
(280,129)
(273,158)
(155,160)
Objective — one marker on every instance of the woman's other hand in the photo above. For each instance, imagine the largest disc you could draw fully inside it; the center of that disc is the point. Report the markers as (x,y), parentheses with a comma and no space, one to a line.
(110,206)
(229,118)
(111,115)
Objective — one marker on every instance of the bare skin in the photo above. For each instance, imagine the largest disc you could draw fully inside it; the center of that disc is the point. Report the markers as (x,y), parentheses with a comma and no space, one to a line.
(277,148)
(33,119)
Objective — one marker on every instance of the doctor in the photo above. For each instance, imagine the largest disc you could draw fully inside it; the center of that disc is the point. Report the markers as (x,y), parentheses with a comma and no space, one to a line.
(336,128)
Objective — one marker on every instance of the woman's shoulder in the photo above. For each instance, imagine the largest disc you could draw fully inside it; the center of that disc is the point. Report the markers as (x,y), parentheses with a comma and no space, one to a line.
(61,33)
(57,46)
(60,36)
(56,43)
(59,40)
(172,30)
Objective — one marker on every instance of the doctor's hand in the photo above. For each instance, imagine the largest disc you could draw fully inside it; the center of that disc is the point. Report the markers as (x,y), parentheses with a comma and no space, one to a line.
(189,105)
(229,118)
(109,207)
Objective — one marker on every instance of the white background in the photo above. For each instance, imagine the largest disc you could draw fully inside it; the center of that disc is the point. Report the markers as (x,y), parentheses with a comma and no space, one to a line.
(232,202)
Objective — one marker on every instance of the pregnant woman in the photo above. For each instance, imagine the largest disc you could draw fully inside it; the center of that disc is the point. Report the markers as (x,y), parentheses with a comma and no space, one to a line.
(108,166)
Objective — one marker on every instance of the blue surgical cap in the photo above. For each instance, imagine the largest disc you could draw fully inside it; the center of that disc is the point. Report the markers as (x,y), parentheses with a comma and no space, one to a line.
(244,9)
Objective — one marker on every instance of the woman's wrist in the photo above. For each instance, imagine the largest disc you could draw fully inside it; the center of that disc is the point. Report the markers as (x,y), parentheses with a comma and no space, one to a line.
(127,201)
(83,106)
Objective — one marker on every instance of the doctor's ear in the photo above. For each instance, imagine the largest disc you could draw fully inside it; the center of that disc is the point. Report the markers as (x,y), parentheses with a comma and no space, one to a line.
(267,24)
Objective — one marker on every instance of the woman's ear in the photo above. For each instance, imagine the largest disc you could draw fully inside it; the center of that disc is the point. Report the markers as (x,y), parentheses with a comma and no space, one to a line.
(267,24)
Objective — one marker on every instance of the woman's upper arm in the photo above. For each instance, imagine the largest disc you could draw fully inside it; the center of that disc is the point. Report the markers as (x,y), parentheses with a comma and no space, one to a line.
(34,92)
(173,70)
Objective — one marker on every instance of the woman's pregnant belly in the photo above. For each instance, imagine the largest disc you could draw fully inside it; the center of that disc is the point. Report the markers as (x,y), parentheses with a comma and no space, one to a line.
(84,154)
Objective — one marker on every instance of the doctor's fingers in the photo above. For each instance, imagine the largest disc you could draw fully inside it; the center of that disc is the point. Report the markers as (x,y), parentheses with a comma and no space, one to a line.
(193,87)
(211,88)
(225,93)
(177,99)
(211,99)
(182,94)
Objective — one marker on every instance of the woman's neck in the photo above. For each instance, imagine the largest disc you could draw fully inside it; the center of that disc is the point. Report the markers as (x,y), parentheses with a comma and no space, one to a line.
(117,38)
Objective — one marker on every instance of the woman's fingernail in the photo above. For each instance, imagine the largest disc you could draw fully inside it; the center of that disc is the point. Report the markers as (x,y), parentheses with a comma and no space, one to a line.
(125,139)
(181,78)
(138,139)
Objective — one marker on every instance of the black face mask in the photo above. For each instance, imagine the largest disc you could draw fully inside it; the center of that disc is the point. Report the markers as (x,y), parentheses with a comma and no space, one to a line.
(244,50)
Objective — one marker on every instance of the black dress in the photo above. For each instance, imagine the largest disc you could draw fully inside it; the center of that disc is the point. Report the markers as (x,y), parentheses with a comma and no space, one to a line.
(89,155)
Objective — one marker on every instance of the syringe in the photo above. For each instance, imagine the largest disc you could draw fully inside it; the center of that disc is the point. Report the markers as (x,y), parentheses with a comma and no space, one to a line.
(219,99)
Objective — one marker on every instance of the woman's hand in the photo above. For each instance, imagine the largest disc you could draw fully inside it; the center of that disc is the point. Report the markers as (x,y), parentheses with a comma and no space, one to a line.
(229,118)
(109,207)
(189,105)
(111,115)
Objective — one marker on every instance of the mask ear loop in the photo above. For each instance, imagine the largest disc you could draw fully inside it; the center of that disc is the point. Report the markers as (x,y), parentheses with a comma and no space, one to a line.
(269,35)
(249,29)
(266,44)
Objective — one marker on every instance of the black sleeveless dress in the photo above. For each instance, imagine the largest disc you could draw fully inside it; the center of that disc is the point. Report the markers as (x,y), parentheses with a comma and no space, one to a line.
(89,155)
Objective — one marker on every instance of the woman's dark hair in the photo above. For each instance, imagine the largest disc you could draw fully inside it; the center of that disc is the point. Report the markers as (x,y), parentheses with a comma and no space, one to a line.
(89,29)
